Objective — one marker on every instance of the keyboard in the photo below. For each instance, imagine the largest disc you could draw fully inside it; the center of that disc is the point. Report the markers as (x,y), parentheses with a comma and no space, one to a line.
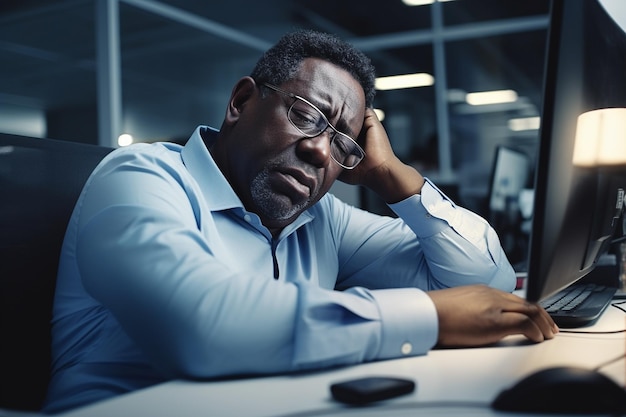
(578,305)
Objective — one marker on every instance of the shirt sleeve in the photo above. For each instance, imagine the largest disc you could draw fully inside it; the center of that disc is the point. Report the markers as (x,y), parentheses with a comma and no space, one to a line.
(461,247)
(358,325)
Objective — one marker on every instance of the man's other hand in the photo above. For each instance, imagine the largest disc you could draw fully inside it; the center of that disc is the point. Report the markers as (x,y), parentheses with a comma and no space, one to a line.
(477,315)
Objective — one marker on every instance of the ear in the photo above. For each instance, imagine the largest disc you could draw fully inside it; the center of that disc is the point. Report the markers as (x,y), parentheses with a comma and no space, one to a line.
(243,91)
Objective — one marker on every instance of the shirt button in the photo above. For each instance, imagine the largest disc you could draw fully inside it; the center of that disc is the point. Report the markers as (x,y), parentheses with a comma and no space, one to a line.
(247,218)
(406,348)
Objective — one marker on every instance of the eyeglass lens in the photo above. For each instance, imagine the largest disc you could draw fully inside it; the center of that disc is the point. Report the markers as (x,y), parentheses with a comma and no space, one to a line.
(311,122)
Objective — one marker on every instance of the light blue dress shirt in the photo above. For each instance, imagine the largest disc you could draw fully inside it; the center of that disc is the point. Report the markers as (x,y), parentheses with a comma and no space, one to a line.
(164,274)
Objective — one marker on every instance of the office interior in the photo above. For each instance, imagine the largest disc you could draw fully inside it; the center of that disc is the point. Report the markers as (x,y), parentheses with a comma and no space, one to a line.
(116,72)
(92,70)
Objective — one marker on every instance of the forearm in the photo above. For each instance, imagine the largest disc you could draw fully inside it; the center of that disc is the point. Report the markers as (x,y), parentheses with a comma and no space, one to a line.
(395,181)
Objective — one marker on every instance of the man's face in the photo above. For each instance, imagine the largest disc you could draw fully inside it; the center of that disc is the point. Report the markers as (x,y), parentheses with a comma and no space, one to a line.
(277,171)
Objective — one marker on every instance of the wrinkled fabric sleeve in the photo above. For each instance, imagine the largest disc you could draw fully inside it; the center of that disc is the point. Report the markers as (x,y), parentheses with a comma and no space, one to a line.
(461,247)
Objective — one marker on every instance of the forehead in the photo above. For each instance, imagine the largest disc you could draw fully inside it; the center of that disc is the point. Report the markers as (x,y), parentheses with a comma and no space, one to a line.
(337,93)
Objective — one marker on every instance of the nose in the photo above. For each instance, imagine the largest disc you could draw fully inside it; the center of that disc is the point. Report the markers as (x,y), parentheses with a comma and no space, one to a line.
(316,150)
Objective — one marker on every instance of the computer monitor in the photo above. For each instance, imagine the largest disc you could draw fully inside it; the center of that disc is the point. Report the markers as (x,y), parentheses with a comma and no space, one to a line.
(580,174)
(509,176)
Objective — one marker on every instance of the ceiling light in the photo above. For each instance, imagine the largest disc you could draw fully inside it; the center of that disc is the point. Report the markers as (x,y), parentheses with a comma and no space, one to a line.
(524,123)
(125,139)
(394,82)
(421,2)
(491,97)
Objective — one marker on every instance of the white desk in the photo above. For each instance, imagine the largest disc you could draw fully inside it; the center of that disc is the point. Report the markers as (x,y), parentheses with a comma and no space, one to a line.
(447,376)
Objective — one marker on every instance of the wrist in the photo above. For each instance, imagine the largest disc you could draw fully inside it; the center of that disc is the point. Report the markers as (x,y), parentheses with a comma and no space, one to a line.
(397,183)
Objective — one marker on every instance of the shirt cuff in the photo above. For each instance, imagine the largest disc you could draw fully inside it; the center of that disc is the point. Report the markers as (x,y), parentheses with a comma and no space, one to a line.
(427,213)
(409,322)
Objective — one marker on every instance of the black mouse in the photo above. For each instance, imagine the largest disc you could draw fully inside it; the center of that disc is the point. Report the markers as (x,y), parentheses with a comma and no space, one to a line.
(564,389)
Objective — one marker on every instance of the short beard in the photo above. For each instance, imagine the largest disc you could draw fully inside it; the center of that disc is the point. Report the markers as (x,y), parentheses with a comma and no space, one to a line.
(268,203)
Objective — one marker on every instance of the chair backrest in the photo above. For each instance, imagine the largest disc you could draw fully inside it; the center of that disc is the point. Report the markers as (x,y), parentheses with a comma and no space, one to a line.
(40,180)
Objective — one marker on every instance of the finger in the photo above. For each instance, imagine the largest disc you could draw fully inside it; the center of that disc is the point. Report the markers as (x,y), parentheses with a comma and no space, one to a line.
(518,323)
(536,312)
(548,318)
(544,322)
(370,120)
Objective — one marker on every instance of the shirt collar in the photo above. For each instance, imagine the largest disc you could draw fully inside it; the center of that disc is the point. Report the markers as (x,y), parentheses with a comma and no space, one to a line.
(217,192)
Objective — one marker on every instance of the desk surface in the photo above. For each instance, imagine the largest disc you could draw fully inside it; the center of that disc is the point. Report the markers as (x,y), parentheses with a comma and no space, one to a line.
(449,382)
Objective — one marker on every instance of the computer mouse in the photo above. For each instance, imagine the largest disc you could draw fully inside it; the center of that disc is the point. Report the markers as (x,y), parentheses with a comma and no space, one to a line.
(567,390)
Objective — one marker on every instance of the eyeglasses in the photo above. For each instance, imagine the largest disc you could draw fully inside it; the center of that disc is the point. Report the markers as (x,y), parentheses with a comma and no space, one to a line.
(311,122)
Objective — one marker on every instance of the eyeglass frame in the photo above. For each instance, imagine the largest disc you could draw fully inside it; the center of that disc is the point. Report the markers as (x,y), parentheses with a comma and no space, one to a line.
(328,124)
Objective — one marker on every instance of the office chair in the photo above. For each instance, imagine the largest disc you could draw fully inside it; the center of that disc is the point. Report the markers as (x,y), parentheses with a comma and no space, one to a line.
(40,180)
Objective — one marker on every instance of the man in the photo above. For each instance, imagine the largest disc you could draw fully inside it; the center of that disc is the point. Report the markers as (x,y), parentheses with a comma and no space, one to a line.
(228,257)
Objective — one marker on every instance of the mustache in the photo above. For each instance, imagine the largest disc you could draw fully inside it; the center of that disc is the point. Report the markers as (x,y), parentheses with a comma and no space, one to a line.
(304,173)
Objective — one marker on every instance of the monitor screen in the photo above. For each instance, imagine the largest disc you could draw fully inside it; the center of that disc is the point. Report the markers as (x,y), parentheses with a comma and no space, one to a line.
(578,186)
(510,172)
(510,175)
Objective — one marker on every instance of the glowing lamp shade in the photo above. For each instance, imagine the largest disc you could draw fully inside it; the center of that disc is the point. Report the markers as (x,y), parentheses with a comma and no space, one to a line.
(601,138)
